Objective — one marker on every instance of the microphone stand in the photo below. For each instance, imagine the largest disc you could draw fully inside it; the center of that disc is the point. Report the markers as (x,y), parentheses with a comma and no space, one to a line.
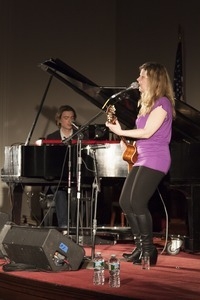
(83,127)
(96,184)
(79,163)
(69,188)
(97,189)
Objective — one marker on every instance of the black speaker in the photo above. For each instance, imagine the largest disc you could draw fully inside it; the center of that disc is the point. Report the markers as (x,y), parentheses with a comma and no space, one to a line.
(192,243)
(44,249)
(191,193)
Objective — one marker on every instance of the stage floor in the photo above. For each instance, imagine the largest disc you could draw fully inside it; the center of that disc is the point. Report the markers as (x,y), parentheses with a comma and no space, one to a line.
(174,276)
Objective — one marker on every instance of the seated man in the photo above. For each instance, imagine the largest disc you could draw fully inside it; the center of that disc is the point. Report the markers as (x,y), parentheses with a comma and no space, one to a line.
(64,118)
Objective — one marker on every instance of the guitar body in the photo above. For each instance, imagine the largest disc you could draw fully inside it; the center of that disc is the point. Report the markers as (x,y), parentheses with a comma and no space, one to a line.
(130,154)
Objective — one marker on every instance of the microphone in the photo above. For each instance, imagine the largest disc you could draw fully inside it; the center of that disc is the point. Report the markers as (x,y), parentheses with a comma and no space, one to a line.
(106,146)
(74,125)
(134,85)
(95,147)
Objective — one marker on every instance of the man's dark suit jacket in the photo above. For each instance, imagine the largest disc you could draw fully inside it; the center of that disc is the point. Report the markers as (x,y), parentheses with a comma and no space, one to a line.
(56,135)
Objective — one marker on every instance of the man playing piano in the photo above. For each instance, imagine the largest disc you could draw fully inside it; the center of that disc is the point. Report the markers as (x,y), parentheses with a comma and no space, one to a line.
(65,118)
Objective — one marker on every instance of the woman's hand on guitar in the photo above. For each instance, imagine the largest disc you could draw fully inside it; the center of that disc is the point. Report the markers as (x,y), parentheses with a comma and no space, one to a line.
(115,128)
(123,145)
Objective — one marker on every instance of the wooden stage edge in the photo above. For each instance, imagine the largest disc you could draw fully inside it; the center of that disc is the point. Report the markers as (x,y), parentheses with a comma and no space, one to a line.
(14,287)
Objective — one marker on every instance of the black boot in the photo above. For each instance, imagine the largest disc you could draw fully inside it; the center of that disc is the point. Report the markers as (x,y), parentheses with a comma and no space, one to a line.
(148,248)
(137,251)
(136,254)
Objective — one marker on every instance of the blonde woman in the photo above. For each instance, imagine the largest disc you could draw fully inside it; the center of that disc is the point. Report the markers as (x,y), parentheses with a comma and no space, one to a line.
(152,134)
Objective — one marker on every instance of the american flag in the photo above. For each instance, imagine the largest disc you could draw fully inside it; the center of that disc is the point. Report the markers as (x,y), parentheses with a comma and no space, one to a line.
(178,72)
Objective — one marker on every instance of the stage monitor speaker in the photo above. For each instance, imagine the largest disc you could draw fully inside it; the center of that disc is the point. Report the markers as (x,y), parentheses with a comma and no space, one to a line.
(3,233)
(4,218)
(44,249)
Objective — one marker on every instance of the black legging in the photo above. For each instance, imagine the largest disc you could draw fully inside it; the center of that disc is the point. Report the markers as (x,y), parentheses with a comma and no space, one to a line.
(138,188)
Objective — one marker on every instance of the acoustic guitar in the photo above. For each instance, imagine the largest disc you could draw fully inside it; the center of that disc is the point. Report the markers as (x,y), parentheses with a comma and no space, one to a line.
(130,154)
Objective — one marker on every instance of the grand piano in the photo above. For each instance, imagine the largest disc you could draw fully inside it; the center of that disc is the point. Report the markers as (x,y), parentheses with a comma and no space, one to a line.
(184,175)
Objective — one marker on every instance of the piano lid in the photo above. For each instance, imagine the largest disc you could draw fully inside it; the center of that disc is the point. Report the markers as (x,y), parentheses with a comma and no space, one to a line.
(125,103)
(186,127)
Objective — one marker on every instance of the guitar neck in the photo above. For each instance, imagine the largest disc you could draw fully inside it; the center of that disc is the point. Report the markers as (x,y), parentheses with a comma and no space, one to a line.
(124,140)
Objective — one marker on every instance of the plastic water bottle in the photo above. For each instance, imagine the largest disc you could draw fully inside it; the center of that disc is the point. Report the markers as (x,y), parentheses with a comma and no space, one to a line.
(98,266)
(114,271)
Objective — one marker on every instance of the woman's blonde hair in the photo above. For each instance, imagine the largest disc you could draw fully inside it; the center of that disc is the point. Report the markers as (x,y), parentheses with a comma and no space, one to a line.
(159,86)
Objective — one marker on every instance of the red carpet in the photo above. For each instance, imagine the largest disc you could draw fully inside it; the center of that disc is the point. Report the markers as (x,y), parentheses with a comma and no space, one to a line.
(174,276)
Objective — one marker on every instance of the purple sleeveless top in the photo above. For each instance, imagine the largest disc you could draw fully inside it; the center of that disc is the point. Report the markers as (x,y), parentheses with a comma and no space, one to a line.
(154,152)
